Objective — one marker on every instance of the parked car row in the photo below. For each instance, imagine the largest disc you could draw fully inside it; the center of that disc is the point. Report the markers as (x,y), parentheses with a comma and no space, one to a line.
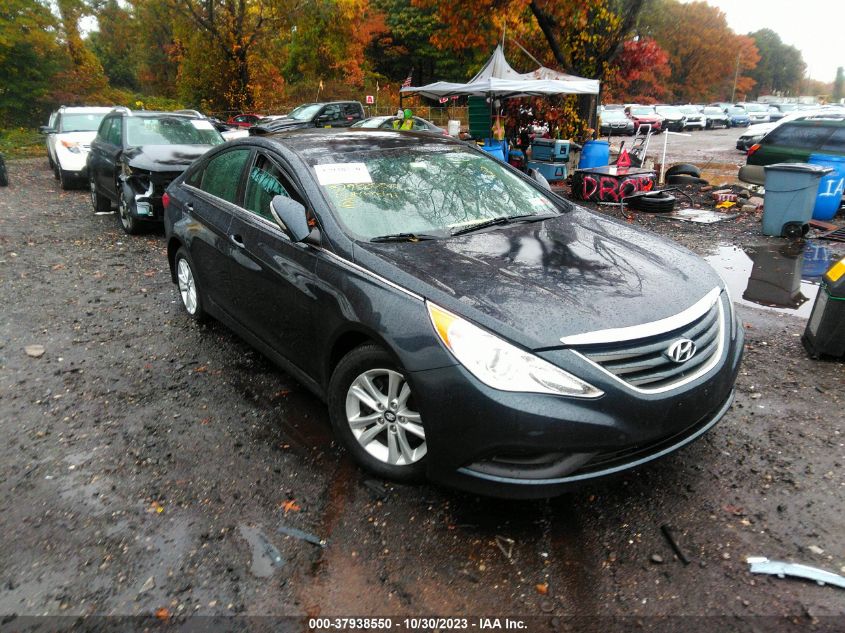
(433,296)
(629,118)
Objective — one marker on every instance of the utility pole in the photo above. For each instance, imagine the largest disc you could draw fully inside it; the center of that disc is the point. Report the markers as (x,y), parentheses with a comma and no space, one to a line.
(736,77)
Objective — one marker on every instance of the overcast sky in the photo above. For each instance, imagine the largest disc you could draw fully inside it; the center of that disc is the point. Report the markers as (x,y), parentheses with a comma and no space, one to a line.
(815,27)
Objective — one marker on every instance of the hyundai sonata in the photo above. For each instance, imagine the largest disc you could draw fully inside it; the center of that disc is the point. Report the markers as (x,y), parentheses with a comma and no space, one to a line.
(461,321)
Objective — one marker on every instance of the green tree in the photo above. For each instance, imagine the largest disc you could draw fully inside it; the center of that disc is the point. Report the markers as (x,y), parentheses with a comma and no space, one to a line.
(30,58)
(116,44)
(781,67)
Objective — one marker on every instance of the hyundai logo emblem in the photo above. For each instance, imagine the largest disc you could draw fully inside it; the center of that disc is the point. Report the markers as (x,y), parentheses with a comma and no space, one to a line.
(681,350)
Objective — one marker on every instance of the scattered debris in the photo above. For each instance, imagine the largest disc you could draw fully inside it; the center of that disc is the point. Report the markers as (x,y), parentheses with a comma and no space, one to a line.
(673,543)
(815,549)
(762,565)
(657,559)
(505,545)
(699,216)
(542,588)
(834,235)
(378,490)
(162,613)
(34,351)
(302,535)
(291,506)
(149,585)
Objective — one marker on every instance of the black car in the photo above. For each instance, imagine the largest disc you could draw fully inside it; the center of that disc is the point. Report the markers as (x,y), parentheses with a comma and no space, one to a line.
(460,320)
(136,154)
(715,117)
(330,114)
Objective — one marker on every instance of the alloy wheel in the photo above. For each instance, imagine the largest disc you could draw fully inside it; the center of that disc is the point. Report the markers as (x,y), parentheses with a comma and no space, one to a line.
(380,414)
(123,211)
(93,187)
(187,286)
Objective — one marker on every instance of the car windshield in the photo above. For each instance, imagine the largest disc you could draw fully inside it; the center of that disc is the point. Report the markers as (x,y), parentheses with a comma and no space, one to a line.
(756,107)
(690,110)
(669,111)
(305,112)
(736,111)
(81,122)
(424,190)
(713,110)
(372,123)
(613,115)
(170,131)
(642,110)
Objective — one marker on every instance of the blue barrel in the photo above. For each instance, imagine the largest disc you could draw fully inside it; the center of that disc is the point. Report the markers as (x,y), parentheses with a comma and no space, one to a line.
(594,154)
(831,186)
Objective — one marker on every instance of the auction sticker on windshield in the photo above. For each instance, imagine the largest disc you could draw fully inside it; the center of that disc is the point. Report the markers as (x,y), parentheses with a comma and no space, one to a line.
(201,124)
(342,174)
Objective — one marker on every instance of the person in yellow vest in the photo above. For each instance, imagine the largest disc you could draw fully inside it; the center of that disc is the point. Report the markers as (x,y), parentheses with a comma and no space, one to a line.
(406,122)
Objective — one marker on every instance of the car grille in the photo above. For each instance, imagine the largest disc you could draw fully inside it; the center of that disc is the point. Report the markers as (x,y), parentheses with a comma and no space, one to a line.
(644,363)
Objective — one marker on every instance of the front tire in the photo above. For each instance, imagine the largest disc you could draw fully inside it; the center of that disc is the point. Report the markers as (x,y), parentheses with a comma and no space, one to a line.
(374,415)
(65,179)
(128,222)
(186,281)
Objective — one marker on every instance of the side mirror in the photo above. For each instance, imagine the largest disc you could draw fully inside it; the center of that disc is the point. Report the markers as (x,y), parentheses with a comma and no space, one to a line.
(46,129)
(541,179)
(291,217)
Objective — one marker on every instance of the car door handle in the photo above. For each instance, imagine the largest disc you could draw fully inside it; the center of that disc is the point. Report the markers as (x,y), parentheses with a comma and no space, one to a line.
(237,240)
(189,207)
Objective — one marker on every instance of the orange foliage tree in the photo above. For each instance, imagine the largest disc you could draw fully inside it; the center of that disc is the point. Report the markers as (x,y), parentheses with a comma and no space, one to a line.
(640,76)
(703,51)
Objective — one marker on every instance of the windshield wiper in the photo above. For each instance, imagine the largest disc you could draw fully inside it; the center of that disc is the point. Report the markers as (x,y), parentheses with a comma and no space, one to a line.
(528,217)
(404,237)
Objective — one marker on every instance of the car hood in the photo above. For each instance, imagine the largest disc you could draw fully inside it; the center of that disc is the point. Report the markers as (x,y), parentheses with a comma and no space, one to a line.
(647,117)
(536,282)
(164,157)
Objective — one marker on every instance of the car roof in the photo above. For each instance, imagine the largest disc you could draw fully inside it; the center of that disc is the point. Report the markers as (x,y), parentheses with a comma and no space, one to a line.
(316,142)
(84,109)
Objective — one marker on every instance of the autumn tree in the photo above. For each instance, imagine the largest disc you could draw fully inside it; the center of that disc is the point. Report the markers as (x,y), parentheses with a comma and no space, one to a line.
(640,75)
(84,82)
(704,53)
(781,66)
(234,28)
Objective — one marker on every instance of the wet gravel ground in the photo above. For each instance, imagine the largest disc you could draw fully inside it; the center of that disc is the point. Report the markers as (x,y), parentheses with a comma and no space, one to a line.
(148,464)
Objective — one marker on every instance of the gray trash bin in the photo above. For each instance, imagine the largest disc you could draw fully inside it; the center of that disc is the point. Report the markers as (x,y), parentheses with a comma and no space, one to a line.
(790,197)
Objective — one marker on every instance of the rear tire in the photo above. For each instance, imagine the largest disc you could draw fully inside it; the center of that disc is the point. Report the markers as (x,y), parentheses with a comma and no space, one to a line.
(373,413)
(186,281)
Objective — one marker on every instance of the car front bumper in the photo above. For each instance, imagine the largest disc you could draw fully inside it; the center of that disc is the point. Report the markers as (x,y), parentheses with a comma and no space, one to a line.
(523,445)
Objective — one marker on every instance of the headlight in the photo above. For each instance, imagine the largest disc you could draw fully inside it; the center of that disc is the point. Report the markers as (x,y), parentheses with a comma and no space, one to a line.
(499,364)
(73,148)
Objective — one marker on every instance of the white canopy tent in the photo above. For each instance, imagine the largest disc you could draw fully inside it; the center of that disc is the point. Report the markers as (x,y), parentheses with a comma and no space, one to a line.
(498,79)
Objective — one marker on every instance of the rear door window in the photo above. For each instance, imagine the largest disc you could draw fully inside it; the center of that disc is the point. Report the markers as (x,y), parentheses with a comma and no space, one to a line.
(222,174)
(114,132)
(799,136)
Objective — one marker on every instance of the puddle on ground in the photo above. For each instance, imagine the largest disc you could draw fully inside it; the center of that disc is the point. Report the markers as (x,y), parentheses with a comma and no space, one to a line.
(721,173)
(781,277)
(266,559)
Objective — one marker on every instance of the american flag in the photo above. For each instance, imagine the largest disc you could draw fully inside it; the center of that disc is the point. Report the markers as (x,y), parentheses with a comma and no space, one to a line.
(408,79)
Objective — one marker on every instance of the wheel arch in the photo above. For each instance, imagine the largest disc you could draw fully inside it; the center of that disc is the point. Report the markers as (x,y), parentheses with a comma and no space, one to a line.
(173,245)
(346,340)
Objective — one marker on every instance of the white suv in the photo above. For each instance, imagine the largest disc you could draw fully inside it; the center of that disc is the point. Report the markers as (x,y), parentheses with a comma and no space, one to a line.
(69,135)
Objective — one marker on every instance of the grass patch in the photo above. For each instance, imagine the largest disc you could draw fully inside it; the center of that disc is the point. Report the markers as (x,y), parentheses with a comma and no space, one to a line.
(21,142)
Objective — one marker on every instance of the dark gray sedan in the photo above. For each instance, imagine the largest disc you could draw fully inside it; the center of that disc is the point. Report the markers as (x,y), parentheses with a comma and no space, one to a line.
(460,321)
